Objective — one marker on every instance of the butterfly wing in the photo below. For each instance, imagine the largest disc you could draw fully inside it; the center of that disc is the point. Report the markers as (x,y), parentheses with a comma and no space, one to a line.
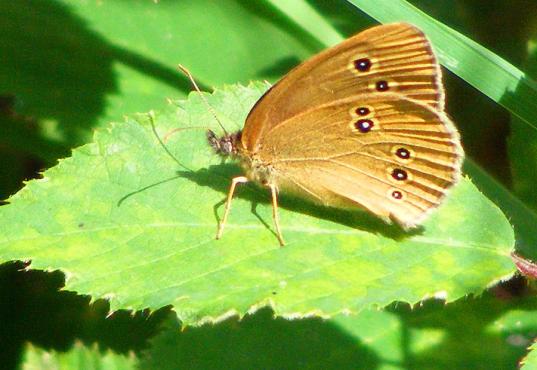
(392,155)
(394,58)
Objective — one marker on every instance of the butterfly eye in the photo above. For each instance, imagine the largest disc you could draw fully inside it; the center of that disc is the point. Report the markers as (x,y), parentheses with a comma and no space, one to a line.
(399,174)
(364,125)
(362,64)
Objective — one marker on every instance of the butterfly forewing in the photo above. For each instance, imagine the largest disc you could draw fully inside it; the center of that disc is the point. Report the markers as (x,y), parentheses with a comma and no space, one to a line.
(389,154)
(395,58)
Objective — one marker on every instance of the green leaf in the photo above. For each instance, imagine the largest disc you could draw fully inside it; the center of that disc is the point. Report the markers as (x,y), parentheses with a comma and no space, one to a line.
(520,215)
(309,19)
(530,361)
(472,333)
(523,147)
(120,58)
(123,221)
(78,357)
(221,42)
(523,155)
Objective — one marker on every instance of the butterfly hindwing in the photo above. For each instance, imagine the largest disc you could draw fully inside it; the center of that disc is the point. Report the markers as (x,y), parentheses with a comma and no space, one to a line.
(392,155)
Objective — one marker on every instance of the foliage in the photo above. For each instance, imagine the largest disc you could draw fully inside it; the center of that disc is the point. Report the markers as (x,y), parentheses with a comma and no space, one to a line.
(133,230)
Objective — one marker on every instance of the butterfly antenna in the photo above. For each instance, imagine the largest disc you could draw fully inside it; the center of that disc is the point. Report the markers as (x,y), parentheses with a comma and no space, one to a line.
(189,75)
(151,116)
(171,132)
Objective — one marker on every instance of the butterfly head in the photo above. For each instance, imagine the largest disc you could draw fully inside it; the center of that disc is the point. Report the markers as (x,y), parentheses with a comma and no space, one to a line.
(225,145)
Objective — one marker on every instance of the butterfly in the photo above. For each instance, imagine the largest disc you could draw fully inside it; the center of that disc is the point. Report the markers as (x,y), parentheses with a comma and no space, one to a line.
(361,124)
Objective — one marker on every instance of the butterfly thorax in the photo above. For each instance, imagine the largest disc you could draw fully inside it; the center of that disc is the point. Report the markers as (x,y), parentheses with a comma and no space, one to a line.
(230,145)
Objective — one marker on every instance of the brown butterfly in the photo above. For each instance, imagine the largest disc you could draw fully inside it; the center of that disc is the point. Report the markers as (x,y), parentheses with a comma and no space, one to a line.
(361,124)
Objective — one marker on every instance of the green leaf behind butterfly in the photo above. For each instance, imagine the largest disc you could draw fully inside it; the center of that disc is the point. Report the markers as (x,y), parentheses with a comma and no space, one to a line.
(472,333)
(523,146)
(78,357)
(125,222)
(530,361)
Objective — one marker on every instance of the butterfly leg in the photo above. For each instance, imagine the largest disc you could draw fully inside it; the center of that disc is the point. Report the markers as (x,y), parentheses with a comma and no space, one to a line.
(274,193)
(234,182)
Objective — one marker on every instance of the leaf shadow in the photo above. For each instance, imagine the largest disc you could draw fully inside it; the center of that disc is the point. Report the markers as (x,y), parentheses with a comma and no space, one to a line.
(50,113)
(279,67)
(218,177)
(35,309)
(259,341)
(475,327)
